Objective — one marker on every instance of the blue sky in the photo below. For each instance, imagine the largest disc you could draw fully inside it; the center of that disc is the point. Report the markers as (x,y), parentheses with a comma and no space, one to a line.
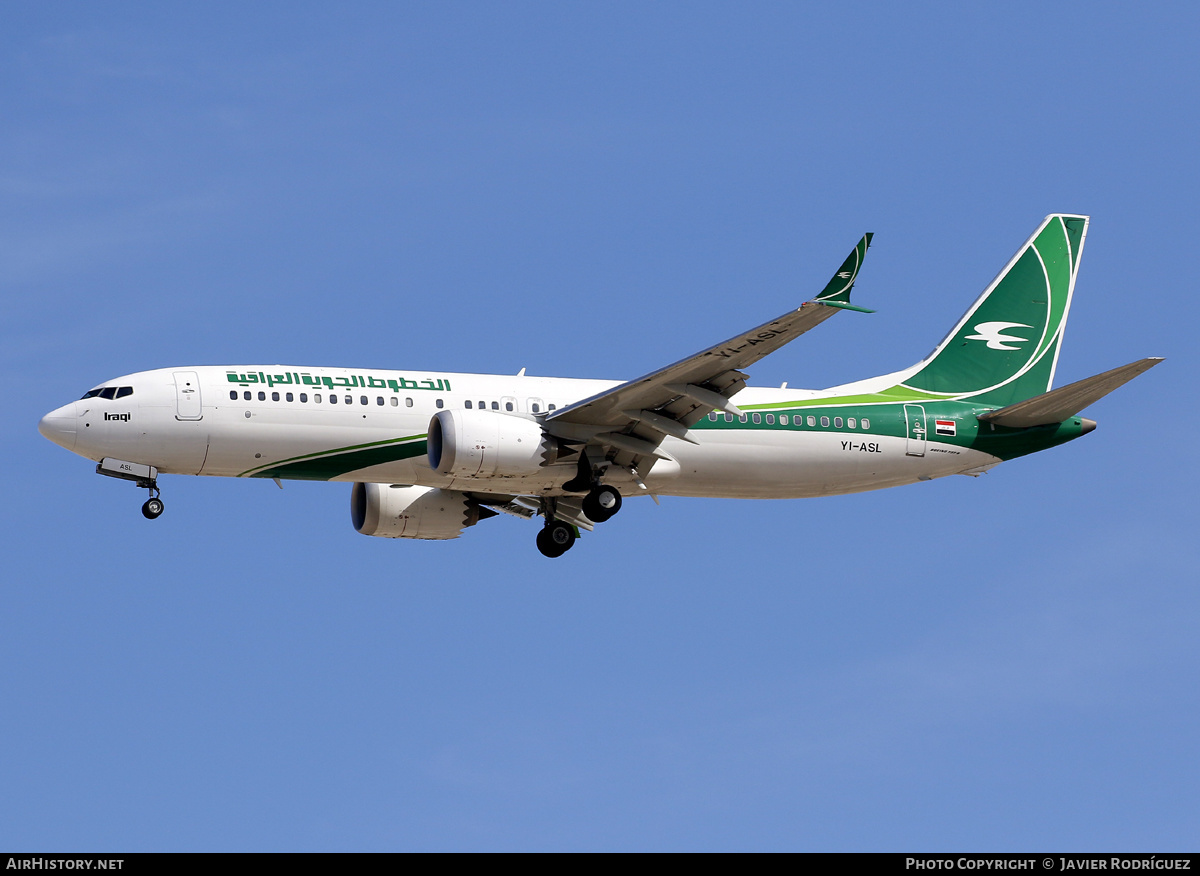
(1007,662)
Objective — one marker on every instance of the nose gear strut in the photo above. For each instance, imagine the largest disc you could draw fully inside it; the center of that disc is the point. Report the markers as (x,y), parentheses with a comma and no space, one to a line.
(144,476)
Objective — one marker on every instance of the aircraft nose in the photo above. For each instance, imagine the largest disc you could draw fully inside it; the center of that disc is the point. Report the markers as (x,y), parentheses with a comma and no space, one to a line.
(59,426)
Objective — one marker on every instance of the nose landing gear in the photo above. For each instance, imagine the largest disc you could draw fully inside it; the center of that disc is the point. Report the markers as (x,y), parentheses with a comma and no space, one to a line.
(144,476)
(153,506)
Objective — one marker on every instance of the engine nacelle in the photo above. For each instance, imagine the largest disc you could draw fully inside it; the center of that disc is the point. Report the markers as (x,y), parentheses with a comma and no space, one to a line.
(485,444)
(411,512)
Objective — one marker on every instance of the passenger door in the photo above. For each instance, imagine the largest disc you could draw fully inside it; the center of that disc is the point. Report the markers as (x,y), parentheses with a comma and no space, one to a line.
(188,405)
(914,416)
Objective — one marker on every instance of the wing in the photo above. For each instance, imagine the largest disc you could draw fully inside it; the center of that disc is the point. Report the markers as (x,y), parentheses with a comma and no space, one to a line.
(627,423)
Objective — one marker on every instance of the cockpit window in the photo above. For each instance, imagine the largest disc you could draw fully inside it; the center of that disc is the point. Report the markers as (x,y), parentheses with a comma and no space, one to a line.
(108,392)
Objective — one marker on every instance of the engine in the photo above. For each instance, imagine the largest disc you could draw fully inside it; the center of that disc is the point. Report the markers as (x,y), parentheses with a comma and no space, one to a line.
(412,512)
(485,444)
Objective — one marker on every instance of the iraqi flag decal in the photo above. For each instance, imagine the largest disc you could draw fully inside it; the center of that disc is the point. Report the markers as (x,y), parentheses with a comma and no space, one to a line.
(944,427)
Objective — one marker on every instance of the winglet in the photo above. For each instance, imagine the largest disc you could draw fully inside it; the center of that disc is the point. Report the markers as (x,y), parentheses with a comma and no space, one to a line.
(837,291)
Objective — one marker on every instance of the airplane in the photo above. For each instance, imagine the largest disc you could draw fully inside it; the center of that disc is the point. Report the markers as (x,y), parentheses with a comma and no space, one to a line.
(430,454)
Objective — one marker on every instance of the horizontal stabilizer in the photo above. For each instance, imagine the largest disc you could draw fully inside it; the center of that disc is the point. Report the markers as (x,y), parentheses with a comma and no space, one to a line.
(1066,401)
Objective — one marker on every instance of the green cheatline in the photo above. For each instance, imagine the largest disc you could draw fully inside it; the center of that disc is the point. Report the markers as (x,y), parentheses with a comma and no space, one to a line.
(886,396)
(891,421)
(389,443)
(326,468)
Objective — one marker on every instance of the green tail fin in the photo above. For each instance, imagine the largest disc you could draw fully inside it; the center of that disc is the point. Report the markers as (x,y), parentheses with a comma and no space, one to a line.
(1005,348)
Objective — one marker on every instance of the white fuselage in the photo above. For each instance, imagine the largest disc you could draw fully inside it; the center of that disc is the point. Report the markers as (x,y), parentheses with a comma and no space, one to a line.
(239,422)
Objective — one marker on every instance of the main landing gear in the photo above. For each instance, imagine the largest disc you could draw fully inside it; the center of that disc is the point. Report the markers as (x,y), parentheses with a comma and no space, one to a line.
(601,503)
(556,538)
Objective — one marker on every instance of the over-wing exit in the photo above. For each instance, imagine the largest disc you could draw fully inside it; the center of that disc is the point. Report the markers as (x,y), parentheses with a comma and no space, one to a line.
(430,454)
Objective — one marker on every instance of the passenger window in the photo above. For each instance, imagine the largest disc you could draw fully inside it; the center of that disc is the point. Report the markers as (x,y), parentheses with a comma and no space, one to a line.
(124,391)
(332,399)
(812,421)
(262,396)
(482,406)
(108,392)
(274,396)
(468,404)
(350,399)
(866,424)
(851,422)
(395,401)
(551,407)
(362,400)
(757,418)
(304,398)
(290,397)
(316,398)
(824,421)
(379,400)
(712,416)
(408,403)
(508,406)
(729,418)
(837,422)
(744,418)
(439,403)
(783,419)
(495,406)
(770,419)
(246,395)
(233,395)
